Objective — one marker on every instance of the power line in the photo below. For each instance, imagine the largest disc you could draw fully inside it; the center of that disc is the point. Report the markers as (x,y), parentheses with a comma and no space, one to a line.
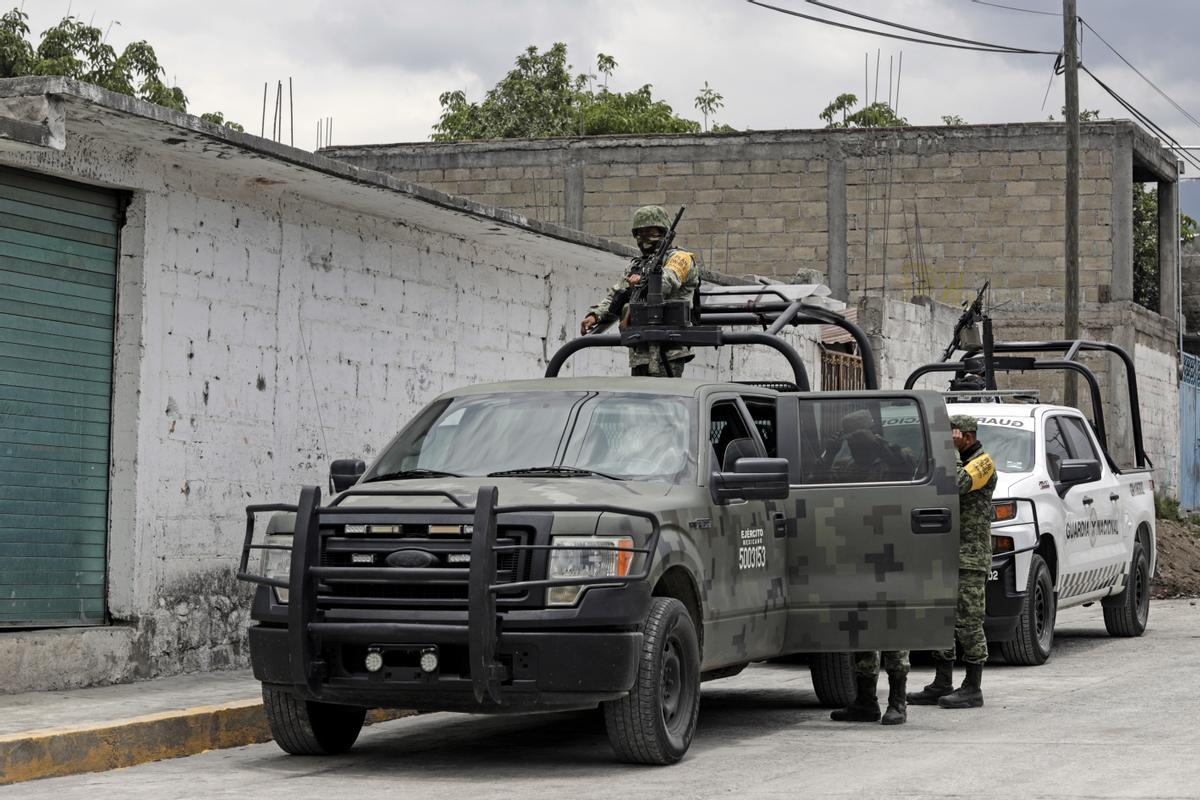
(989,49)
(1017,8)
(1178,107)
(1178,148)
(879,21)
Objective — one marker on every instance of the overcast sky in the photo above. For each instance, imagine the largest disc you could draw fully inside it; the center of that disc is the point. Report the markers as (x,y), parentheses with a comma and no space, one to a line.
(377,66)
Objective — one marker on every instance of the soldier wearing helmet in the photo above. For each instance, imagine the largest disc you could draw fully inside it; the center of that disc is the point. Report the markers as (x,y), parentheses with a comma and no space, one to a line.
(681,277)
(976,483)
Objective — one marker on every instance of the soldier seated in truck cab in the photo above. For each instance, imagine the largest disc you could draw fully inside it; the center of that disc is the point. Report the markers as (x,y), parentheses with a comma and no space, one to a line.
(860,455)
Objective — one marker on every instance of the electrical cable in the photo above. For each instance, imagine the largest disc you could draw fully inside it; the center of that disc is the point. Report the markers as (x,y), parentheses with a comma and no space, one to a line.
(1015,8)
(879,21)
(1167,97)
(1177,147)
(990,49)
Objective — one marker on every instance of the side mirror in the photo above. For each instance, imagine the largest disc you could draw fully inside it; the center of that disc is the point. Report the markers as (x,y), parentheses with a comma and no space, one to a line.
(752,479)
(344,473)
(1078,470)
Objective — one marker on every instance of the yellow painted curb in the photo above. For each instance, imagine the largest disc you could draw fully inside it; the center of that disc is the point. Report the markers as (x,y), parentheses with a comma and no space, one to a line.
(124,743)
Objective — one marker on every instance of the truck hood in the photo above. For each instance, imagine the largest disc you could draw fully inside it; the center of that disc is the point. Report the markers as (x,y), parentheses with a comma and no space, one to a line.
(1017,484)
(519,491)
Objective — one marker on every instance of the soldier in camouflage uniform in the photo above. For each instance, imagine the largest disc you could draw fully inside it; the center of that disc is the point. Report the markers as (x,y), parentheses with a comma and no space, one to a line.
(681,277)
(872,459)
(976,483)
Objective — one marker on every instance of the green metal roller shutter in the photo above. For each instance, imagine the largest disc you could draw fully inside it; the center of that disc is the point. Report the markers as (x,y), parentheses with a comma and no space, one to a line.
(58,267)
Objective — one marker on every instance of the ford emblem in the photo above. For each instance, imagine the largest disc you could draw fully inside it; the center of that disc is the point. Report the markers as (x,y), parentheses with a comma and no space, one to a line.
(411,558)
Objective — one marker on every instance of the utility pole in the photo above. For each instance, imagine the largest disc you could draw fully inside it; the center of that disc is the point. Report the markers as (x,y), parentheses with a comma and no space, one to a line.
(1071,65)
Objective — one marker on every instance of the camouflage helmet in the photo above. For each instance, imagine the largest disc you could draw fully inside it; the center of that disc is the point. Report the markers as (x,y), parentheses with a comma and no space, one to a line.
(965,423)
(650,217)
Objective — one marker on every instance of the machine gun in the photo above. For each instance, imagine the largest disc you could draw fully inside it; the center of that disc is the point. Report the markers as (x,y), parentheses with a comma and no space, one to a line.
(972,314)
(966,337)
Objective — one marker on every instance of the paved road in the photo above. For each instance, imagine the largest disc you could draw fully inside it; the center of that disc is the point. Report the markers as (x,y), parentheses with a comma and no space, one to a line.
(1105,718)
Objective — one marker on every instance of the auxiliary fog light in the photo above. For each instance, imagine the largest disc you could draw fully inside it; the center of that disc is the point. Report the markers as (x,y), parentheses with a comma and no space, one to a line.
(429,660)
(374,660)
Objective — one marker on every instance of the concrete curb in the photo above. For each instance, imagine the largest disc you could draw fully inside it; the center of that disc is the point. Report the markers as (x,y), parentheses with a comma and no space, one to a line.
(73,750)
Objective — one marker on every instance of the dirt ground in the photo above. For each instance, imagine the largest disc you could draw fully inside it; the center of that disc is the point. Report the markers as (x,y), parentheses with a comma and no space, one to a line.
(1178,573)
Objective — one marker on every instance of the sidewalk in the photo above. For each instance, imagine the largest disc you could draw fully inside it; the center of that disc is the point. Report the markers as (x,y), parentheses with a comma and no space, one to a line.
(45,734)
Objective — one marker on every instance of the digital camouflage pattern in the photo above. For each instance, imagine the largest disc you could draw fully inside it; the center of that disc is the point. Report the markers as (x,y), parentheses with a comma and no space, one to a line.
(968,619)
(651,217)
(839,571)
(895,662)
(681,276)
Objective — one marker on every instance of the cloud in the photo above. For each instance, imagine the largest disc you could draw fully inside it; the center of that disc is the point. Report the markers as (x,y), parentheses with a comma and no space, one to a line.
(378,66)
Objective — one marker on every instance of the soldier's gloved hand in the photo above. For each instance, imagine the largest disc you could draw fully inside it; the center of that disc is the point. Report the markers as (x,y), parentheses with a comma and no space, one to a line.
(587,323)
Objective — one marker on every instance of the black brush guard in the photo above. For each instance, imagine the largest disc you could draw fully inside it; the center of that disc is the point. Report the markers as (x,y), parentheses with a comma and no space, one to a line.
(481,632)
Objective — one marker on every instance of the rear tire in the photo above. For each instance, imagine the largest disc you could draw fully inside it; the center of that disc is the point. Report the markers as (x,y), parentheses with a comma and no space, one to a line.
(1035,629)
(307,728)
(833,679)
(655,722)
(1126,613)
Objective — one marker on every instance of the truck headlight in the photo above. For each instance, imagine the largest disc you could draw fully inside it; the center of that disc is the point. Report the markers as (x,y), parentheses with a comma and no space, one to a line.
(602,559)
(1004,511)
(278,563)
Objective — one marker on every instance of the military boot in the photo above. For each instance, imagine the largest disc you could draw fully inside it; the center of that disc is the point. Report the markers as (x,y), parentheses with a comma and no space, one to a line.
(865,707)
(897,707)
(969,694)
(943,684)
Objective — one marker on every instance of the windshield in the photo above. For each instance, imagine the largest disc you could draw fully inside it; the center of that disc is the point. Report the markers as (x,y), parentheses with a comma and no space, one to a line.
(1011,448)
(640,436)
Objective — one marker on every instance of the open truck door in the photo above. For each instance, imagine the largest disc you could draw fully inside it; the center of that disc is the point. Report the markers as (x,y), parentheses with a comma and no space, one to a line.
(873,546)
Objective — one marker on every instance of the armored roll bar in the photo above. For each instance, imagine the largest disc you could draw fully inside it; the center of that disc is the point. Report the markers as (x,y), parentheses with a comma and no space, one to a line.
(1070,348)
(771,306)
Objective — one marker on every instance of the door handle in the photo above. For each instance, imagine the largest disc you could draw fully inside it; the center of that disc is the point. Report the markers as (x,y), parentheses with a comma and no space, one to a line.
(931,520)
(1087,501)
(779,523)
(1114,497)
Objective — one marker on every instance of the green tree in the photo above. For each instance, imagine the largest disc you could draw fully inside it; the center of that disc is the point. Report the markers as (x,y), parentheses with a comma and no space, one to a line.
(605,65)
(953,119)
(217,118)
(876,115)
(543,96)
(708,102)
(77,50)
(1145,244)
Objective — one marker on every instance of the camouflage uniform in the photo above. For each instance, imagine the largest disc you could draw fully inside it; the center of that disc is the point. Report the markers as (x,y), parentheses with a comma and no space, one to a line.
(895,662)
(680,279)
(976,483)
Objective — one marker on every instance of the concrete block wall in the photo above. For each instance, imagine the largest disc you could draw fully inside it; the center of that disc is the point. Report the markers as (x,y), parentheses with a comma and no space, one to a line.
(915,211)
(906,336)
(941,222)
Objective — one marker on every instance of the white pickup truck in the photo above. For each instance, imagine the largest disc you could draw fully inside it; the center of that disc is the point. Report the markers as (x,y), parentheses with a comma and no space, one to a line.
(1081,529)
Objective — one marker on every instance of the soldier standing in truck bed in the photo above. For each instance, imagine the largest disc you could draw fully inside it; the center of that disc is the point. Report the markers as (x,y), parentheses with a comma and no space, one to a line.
(681,277)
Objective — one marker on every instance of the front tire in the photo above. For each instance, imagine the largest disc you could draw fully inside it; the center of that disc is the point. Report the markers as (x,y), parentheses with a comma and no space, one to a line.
(1035,629)
(308,728)
(655,722)
(1126,614)
(833,679)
